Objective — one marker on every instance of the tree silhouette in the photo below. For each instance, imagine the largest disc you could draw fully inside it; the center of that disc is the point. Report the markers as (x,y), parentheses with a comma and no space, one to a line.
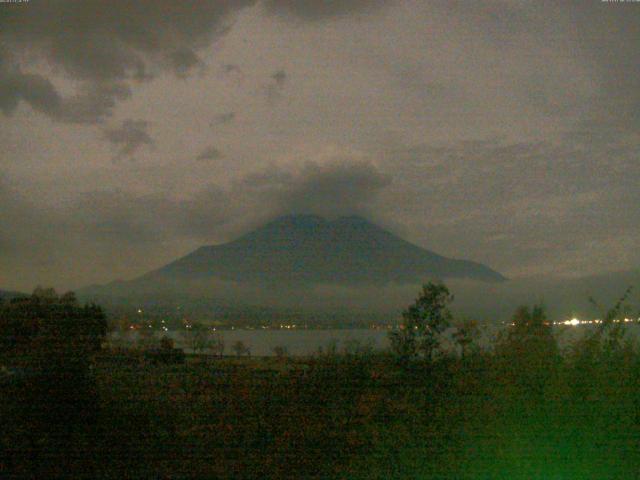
(528,349)
(422,323)
(51,327)
(240,348)
(198,337)
(466,333)
(217,345)
(51,340)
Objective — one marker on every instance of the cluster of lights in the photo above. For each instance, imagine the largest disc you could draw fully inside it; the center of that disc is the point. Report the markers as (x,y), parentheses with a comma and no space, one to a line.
(574,322)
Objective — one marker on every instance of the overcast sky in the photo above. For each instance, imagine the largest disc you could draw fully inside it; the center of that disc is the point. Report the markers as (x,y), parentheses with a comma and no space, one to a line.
(505,132)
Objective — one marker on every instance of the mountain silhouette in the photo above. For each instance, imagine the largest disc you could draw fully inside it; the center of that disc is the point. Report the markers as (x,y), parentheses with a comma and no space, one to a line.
(8,294)
(307,249)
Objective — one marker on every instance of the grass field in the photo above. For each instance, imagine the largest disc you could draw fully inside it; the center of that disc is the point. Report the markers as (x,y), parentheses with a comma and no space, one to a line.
(334,416)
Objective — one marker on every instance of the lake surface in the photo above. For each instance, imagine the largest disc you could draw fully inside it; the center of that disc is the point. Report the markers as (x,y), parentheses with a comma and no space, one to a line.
(308,342)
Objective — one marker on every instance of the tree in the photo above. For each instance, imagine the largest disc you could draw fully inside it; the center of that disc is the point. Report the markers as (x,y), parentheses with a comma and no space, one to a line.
(197,337)
(146,336)
(466,333)
(52,339)
(528,348)
(48,325)
(280,351)
(217,345)
(240,348)
(599,357)
(167,343)
(422,323)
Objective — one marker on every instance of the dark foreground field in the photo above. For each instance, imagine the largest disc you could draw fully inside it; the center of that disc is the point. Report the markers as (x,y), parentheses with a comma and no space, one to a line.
(337,416)
(521,409)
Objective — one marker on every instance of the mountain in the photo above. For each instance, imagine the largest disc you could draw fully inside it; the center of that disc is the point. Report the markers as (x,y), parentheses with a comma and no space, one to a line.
(307,249)
(295,265)
(306,265)
(8,295)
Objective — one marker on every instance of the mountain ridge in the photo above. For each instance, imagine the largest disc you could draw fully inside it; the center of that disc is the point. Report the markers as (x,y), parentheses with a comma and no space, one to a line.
(312,250)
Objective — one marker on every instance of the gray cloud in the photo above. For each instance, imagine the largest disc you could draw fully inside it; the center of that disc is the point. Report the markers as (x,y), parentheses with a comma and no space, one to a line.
(537,205)
(231,68)
(274,89)
(129,137)
(28,236)
(510,128)
(216,213)
(313,10)
(598,35)
(210,153)
(233,73)
(331,190)
(223,118)
(341,187)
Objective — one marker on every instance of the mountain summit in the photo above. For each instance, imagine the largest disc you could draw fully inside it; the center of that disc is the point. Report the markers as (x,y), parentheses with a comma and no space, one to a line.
(307,249)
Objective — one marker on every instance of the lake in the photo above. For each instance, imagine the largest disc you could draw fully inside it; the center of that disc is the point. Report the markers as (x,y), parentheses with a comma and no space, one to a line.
(308,342)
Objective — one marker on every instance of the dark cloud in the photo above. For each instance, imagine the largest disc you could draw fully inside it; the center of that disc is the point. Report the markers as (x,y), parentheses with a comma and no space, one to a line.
(129,137)
(334,189)
(280,77)
(104,47)
(40,94)
(314,10)
(274,89)
(210,153)
(36,90)
(233,73)
(183,61)
(230,68)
